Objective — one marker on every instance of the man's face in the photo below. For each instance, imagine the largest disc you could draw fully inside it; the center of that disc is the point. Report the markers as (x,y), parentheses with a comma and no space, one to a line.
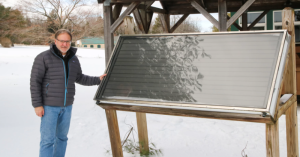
(63,42)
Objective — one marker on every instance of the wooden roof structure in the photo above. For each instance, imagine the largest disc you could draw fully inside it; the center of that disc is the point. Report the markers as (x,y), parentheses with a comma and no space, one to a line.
(175,7)
(143,11)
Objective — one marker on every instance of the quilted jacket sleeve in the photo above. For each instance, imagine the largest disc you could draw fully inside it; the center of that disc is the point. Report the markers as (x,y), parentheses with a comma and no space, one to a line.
(85,79)
(37,74)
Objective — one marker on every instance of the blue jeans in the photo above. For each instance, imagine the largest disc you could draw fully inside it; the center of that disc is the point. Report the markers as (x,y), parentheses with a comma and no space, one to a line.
(54,130)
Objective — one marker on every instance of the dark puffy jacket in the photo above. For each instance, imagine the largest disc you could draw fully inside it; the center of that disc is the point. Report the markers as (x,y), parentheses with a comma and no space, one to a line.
(51,84)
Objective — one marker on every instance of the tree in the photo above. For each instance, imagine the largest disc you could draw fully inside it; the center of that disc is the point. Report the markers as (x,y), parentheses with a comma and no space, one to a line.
(189,25)
(11,23)
(157,27)
(73,15)
(215,29)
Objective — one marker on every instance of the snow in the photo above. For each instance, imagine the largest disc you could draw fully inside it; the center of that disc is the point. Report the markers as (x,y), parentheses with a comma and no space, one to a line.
(88,135)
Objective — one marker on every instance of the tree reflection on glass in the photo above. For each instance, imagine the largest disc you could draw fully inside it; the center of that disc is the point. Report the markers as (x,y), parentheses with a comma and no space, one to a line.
(174,61)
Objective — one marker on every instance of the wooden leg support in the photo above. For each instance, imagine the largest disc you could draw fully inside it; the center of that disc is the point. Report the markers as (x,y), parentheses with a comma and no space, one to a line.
(143,132)
(272,140)
(114,133)
(292,131)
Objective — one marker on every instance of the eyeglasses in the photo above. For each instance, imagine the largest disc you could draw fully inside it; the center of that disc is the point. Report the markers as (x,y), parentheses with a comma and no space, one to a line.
(62,41)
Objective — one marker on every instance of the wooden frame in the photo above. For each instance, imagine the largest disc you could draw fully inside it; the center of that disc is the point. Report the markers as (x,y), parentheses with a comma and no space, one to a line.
(289,80)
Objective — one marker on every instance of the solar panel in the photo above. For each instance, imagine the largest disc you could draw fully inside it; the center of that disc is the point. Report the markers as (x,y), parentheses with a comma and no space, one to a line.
(232,70)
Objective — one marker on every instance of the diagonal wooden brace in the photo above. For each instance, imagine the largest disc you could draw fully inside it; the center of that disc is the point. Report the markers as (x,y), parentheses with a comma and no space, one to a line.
(129,9)
(239,12)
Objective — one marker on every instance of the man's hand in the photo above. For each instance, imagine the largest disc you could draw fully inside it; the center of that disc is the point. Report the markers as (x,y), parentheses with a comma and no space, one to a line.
(102,76)
(39,111)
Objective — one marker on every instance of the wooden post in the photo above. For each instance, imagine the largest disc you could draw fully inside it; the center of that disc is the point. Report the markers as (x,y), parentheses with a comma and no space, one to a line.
(222,16)
(245,19)
(143,21)
(114,133)
(290,86)
(111,115)
(108,36)
(143,132)
(292,131)
(165,21)
(272,140)
(116,12)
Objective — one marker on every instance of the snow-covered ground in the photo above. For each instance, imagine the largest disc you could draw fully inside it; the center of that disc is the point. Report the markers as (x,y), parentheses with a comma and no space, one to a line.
(88,136)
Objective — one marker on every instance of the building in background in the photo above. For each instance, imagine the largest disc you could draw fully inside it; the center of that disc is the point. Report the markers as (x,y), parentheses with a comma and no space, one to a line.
(273,21)
(93,42)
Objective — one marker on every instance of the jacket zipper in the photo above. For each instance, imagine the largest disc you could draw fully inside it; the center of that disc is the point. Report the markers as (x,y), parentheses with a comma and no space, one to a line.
(66,90)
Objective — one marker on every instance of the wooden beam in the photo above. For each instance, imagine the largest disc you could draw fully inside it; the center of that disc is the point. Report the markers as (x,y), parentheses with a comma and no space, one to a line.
(143,20)
(165,21)
(153,9)
(288,23)
(239,12)
(116,12)
(258,19)
(178,22)
(202,2)
(286,105)
(129,9)
(148,21)
(245,18)
(272,139)
(245,21)
(292,131)
(144,17)
(108,36)
(288,16)
(139,21)
(235,24)
(157,10)
(114,133)
(205,13)
(148,4)
(222,16)
(191,113)
(163,6)
(142,132)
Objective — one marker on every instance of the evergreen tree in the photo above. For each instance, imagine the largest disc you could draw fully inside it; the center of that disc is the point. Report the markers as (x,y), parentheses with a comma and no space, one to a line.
(157,27)
(11,23)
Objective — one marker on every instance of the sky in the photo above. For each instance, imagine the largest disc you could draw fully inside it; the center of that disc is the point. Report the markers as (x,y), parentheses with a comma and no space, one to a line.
(204,24)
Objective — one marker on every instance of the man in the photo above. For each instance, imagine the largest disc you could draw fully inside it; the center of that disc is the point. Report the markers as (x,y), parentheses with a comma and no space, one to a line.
(52,85)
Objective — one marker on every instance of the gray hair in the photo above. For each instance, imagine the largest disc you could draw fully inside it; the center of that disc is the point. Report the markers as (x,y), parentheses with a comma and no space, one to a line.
(61,31)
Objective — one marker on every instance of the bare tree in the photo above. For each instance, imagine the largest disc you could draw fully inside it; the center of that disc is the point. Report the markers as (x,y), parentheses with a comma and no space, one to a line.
(188,25)
(66,14)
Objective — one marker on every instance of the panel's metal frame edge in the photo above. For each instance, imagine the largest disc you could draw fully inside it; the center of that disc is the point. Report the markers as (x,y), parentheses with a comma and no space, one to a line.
(265,111)
(207,107)
(276,70)
(103,83)
(280,70)
(213,114)
(206,33)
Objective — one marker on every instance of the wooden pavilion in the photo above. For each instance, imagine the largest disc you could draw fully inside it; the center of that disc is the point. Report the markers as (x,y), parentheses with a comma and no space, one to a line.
(143,12)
